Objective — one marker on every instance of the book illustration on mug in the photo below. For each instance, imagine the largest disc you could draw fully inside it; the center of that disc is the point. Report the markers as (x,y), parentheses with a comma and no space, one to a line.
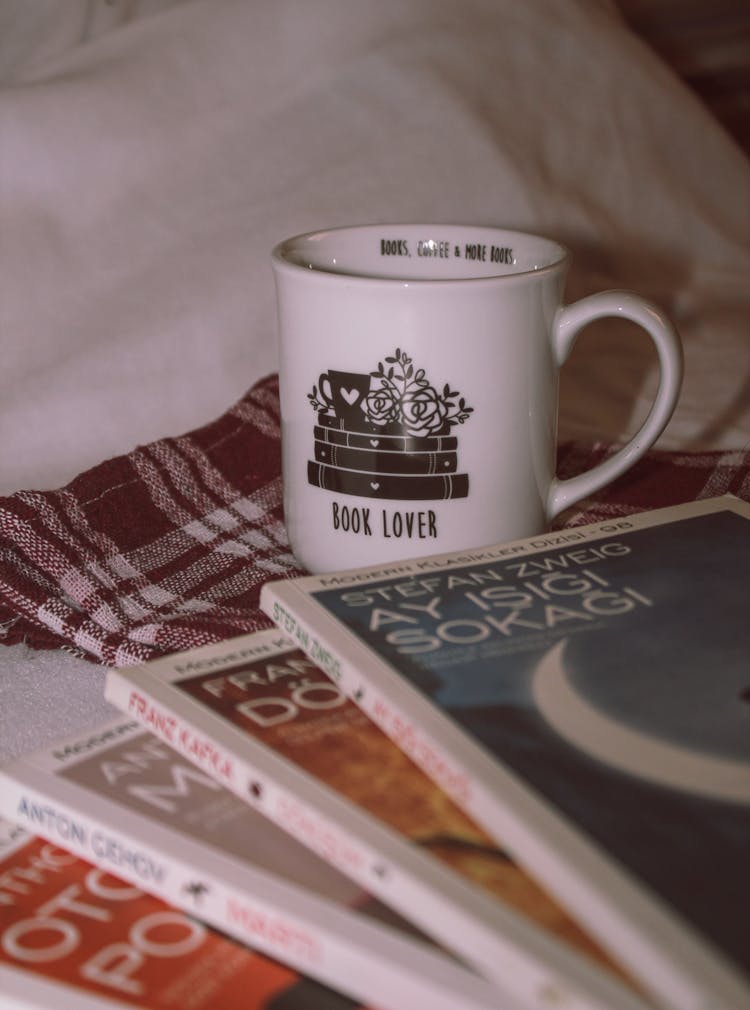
(386,434)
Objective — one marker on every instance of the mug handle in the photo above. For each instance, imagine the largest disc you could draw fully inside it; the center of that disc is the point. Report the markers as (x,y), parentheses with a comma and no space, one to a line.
(569,322)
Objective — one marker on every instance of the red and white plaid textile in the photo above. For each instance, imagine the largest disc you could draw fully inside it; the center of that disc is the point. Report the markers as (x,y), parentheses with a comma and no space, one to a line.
(166,548)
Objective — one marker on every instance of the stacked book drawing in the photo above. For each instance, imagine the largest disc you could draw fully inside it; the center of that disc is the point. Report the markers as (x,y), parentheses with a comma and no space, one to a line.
(386,434)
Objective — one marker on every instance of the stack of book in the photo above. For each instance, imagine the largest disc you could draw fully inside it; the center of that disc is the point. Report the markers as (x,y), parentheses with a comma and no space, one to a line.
(517,778)
(387,434)
(370,464)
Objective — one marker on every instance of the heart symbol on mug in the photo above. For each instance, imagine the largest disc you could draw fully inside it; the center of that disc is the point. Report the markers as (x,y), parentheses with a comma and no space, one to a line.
(350,395)
(374,485)
(374,442)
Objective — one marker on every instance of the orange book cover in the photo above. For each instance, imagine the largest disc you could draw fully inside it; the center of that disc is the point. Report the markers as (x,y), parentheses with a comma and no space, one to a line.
(102,942)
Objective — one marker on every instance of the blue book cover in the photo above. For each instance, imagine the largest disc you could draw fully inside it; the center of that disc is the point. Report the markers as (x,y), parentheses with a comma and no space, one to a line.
(586,696)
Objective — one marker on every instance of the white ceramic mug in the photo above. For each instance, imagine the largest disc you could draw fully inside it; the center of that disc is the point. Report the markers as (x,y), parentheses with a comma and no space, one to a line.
(419,384)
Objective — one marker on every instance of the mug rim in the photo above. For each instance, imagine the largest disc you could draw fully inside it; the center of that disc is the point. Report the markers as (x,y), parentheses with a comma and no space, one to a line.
(281,251)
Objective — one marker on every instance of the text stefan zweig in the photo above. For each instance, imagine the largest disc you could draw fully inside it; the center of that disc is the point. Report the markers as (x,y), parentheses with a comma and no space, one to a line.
(468,607)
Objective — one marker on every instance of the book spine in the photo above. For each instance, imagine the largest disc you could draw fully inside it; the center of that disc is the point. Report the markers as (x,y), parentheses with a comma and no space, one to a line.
(402,487)
(414,463)
(279,601)
(501,943)
(387,443)
(421,889)
(251,783)
(160,874)
(367,966)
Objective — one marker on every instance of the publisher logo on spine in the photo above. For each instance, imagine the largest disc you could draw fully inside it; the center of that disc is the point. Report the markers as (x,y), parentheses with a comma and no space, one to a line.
(387,434)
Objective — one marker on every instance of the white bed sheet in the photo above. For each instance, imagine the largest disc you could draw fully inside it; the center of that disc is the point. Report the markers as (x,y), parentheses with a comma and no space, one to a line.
(152,153)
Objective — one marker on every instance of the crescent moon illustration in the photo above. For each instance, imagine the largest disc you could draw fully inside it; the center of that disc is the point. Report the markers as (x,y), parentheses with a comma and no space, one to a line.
(605,738)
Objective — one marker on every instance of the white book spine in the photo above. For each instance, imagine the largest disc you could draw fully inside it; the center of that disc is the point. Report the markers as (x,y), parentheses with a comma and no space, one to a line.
(288,808)
(500,942)
(365,962)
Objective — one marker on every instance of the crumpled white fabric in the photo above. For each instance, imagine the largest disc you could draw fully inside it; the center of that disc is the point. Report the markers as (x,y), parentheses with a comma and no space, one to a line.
(152,153)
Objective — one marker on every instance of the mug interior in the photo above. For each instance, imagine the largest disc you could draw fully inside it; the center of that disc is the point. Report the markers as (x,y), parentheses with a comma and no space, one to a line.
(420,252)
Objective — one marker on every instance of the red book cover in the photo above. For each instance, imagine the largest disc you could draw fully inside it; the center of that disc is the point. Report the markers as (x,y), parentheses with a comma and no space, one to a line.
(72,935)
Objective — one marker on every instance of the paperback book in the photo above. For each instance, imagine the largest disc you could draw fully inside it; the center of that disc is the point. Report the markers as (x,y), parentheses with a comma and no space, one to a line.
(122,800)
(75,937)
(583,696)
(259,716)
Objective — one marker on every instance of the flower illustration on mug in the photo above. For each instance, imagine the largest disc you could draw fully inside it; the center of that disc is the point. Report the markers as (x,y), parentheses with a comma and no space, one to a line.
(417,405)
(381,405)
(401,395)
(424,411)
